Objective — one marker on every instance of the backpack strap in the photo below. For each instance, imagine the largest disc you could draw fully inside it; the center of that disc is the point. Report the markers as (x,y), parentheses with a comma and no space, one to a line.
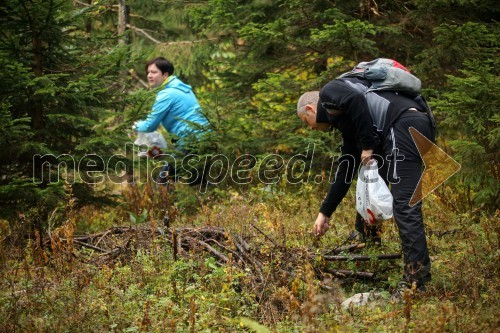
(423,103)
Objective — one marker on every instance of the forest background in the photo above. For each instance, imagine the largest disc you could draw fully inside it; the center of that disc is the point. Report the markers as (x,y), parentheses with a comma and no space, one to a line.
(73,82)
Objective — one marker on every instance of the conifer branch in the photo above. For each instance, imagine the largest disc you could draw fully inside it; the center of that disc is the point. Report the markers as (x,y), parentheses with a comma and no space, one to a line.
(82,3)
(154,40)
(135,76)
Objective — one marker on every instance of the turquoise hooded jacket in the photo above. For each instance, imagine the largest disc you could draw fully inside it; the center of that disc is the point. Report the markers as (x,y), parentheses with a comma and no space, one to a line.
(176,108)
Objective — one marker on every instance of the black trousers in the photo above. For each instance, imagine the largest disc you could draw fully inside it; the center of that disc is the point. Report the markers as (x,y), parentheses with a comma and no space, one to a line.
(403,168)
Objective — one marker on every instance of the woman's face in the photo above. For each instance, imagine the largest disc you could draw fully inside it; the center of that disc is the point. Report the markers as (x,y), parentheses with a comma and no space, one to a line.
(155,76)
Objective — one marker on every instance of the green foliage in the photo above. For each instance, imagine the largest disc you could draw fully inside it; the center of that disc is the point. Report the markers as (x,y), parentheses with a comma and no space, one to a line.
(56,86)
(253,325)
(301,45)
(456,45)
(106,297)
(347,37)
(469,116)
(65,91)
(146,290)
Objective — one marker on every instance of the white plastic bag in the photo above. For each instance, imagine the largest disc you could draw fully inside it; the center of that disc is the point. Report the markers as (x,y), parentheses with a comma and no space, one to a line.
(151,139)
(373,198)
(154,140)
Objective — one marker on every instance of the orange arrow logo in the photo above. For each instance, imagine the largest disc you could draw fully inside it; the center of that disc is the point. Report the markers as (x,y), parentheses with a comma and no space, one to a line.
(438,166)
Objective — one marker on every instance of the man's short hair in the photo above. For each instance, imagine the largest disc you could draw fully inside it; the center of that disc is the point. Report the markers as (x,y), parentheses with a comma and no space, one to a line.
(163,65)
(310,97)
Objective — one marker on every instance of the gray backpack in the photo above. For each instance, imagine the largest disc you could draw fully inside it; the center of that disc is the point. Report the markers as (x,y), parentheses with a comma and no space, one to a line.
(387,74)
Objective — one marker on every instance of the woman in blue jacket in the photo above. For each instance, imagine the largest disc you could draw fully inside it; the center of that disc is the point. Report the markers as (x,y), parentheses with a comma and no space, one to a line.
(175,107)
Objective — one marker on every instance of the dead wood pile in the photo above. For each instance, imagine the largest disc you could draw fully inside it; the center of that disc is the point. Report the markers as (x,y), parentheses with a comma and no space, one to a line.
(228,248)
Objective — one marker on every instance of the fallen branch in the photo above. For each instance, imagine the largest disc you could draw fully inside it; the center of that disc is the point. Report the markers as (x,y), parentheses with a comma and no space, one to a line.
(347,248)
(226,249)
(241,241)
(114,230)
(256,265)
(117,250)
(88,245)
(209,248)
(101,238)
(348,273)
(266,236)
(441,233)
(363,257)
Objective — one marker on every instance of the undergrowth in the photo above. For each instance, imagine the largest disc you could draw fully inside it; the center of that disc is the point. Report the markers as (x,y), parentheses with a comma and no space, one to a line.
(48,285)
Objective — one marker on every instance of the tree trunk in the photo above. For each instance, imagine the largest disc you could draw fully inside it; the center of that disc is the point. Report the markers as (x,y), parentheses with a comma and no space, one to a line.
(88,21)
(123,21)
(37,121)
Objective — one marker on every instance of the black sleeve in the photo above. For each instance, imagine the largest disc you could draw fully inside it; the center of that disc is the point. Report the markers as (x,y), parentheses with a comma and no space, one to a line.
(353,104)
(346,171)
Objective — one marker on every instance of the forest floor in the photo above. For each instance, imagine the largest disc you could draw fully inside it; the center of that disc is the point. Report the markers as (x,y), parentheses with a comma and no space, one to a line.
(243,264)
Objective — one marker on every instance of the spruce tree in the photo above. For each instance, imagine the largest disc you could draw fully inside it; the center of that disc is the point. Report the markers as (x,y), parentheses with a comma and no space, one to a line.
(57,85)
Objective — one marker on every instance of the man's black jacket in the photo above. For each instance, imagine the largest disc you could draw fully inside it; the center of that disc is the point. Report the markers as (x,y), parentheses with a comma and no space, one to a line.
(364,118)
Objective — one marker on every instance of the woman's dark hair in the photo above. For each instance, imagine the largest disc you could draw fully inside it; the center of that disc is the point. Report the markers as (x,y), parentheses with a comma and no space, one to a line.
(163,65)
